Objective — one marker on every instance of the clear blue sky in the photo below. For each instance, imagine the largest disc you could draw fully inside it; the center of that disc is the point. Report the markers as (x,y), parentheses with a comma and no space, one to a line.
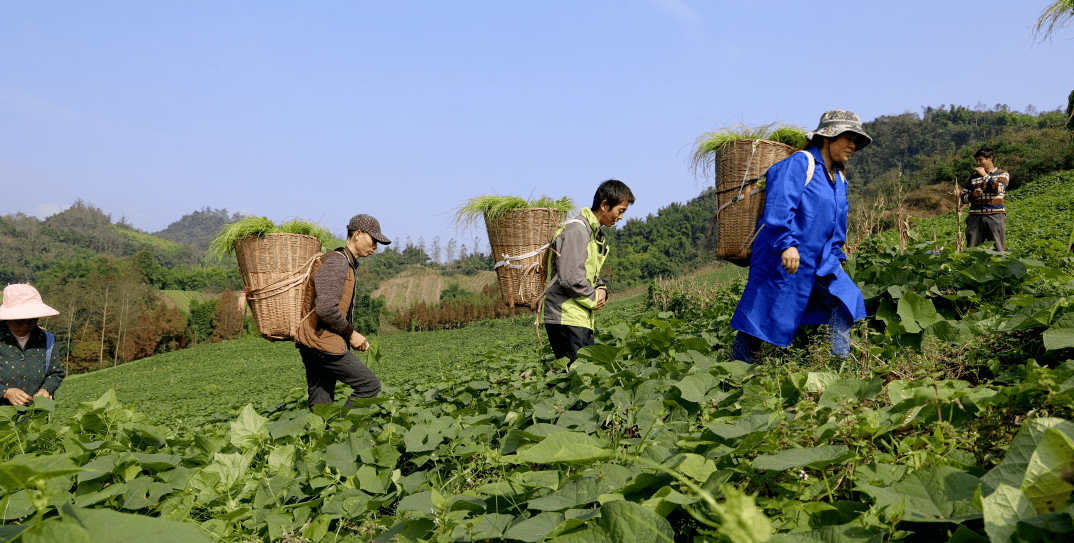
(320,110)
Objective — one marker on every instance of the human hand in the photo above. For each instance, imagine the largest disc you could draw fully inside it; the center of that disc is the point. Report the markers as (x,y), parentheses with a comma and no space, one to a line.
(44,393)
(602,298)
(358,342)
(977,193)
(17,396)
(790,259)
(980,171)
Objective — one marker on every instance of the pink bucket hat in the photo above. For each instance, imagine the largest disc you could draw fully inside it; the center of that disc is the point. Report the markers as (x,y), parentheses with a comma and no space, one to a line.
(23,302)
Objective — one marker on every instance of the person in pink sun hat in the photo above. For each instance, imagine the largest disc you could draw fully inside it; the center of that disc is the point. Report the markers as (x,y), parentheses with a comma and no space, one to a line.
(29,366)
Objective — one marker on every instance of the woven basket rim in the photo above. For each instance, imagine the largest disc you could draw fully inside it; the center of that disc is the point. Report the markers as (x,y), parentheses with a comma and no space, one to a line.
(732,143)
(263,236)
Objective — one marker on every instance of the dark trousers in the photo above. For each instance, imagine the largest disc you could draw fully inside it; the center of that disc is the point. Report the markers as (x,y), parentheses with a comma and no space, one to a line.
(982,228)
(323,370)
(566,340)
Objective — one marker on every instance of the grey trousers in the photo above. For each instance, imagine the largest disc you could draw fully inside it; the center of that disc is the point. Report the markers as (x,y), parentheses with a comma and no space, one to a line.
(324,370)
(981,228)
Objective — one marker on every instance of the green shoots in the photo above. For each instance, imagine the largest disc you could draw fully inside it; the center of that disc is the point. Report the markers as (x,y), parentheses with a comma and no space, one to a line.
(224,244)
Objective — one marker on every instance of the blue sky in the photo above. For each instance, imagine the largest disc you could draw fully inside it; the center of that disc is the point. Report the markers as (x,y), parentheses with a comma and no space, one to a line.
(320,110)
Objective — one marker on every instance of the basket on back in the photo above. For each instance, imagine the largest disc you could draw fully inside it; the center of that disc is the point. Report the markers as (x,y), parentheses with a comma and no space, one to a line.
(274,269)
(740,167)
(519,240)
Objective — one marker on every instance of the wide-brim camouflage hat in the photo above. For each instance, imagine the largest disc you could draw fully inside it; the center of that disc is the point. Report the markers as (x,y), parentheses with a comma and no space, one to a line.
(837,121)
(369,225)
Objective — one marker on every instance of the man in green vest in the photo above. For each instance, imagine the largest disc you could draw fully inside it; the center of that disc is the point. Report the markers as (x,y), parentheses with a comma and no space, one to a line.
(577,254)
(326,336)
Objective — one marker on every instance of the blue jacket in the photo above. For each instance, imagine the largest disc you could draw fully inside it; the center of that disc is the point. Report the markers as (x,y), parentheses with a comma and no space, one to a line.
(813,218)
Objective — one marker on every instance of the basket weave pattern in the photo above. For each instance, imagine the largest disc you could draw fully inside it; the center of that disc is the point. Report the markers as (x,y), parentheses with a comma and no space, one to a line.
(516,233)
(273,270)
(736,225)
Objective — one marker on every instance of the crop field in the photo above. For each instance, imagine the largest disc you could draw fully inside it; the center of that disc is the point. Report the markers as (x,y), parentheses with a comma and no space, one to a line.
(419,284)
(951,421)
(181,298)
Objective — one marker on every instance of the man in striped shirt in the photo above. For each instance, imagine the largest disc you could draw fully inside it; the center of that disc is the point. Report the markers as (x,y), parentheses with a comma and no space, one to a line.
(984,193)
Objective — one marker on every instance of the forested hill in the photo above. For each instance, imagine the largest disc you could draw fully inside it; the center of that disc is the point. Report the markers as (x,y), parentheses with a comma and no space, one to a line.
(937,145)
(674,240)
(198,229)
(68,244)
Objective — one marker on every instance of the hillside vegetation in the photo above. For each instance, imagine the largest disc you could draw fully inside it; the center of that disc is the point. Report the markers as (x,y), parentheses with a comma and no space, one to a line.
(951,421)
(420,284)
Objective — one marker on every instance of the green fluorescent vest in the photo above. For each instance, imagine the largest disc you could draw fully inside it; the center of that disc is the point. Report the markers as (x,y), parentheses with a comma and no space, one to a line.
(577,255)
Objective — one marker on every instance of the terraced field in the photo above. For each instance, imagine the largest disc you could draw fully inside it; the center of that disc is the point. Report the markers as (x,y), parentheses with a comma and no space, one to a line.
(423,284)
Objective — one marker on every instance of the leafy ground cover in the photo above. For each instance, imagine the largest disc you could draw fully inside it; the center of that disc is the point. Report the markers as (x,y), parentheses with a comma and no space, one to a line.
(649,438)
(950,422)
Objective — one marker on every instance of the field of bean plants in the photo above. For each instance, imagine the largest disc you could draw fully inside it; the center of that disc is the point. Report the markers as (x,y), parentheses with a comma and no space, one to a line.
(953,420)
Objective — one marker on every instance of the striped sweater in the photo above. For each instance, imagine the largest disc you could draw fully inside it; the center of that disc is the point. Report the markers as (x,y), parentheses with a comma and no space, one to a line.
(993,187)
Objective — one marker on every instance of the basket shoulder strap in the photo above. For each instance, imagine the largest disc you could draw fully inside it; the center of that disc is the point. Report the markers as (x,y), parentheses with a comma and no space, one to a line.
(50,342)
(812,165)
(554,279)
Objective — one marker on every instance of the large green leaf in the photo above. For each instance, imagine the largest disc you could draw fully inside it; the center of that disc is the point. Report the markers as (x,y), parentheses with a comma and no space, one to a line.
(942,494)
(814,457)
(1002,511)
(1013,468)
(248,427)
(604,355)
(699,387)
(845,533)
(26,471)
(487,526)
(289,424)
(578,492)
(105,526)
(1061,333)
(566,447)
(1052,462)
(917,312)
(741,521)
(535,528)
(623,522)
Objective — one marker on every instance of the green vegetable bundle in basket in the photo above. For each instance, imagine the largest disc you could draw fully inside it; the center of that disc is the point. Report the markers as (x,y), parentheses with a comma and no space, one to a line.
(275,263)
(740,156)
(519,232)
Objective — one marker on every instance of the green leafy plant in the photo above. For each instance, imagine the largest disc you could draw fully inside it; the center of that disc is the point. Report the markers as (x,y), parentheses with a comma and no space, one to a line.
(708,144)
(494,206)
(224,243)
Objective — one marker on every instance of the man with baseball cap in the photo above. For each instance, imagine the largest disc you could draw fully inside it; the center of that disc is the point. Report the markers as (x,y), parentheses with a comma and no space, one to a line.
(326,336)
(28,365)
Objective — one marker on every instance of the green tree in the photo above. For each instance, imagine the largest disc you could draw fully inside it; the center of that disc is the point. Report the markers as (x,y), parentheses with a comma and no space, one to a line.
(227,319)
(1054,18)
(1070,111)
(366,315)
(200,321)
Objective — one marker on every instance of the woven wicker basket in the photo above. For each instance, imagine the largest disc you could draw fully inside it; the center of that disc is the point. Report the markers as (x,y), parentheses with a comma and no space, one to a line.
(739,167)
(517,233)
(274,269)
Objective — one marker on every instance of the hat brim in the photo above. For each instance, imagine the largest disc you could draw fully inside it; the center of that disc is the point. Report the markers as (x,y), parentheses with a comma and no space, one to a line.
(30,311)
(381,238)
(836,131)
